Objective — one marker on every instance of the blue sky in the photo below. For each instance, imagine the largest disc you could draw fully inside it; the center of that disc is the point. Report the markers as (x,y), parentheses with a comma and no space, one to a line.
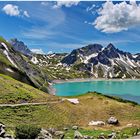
(64,26)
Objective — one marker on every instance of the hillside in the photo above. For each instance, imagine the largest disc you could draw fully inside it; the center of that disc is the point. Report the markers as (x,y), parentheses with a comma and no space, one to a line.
(19,66)
(13,92)
(58,115)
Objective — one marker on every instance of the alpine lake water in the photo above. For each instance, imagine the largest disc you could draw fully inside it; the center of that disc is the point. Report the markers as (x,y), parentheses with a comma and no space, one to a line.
(126,89)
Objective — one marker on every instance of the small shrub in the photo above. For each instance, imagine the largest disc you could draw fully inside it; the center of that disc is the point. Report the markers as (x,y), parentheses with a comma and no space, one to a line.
(27,131)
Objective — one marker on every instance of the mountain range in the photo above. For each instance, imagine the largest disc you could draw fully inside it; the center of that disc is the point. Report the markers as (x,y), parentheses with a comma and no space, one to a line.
(104,62)
(94,60)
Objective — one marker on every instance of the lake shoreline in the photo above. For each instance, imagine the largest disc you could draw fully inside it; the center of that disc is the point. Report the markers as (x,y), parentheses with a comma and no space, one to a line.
(88,80)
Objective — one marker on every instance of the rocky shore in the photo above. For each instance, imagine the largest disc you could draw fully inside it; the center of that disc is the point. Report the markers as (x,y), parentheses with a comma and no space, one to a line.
(88,79)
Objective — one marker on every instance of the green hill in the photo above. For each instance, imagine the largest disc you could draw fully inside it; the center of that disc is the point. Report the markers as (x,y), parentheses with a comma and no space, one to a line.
(13,91)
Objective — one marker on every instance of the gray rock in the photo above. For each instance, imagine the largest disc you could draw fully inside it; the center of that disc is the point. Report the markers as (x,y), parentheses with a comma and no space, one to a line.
(58,133)
(77,135)
(87,137)
(65,128)
(8,136)
(52,130)
(44,134)
(75,127)
(2,130)
(2,125)
(112,135)
(113,120)
(101,136)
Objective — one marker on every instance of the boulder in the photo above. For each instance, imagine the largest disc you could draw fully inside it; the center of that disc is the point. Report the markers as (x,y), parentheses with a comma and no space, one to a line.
(8,136)
(77,135)
(58,133)
(112,136)
(65,129)
(2,130)
(2,125)
(101,136)
(52,130)
(75,127)
(87,137)
(113,120)
(44,134)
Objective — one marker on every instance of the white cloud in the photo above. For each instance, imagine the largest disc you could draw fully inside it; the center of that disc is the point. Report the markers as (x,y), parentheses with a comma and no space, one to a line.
(25,13)
(37,51)
(59,4)
(11,10)
(117,17)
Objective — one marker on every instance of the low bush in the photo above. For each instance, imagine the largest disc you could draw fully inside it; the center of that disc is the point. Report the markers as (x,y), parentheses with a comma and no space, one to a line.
(27,131)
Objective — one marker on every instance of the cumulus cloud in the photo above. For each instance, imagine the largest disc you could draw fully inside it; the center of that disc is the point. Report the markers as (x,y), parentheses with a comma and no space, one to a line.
(37,51)
(59,4)
(13,10)
(117,17)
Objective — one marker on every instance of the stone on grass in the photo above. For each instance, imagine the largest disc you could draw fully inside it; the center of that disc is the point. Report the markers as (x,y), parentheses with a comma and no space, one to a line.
(113,120)
(112,135)
(75,127)
(77,135)
(2,130)
(65,129)
(58,133)
(44,134)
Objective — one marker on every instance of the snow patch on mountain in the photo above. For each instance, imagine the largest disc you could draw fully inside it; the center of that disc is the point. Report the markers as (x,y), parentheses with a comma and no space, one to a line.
(34,60)
(7,54)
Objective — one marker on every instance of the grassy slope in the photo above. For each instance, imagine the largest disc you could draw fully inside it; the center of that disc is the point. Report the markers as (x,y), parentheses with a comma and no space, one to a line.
(92,107)
(13,91)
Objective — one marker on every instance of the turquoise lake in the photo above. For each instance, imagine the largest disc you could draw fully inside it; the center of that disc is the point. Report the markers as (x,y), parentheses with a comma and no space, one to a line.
(126,89)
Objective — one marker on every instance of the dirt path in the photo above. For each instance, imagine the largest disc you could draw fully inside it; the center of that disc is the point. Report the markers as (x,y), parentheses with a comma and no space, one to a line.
(23,104)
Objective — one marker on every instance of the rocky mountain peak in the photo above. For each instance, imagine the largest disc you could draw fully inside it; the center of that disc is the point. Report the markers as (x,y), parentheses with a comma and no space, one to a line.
(20,46)
(110,51)
(91,48)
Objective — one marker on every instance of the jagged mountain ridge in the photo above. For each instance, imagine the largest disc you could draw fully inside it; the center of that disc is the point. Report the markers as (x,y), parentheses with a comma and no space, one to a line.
(108,62)
(93,60)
